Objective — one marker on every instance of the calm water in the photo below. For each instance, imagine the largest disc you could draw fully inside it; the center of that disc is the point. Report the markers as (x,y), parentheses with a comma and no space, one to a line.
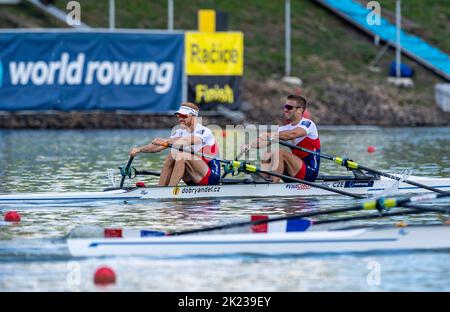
(33,255)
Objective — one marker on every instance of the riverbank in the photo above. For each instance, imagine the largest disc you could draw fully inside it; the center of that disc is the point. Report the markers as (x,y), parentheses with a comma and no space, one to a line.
(336,104)
(330,56)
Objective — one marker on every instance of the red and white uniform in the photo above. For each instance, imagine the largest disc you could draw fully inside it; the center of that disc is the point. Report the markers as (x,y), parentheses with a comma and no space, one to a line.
(312,142)
(208,146)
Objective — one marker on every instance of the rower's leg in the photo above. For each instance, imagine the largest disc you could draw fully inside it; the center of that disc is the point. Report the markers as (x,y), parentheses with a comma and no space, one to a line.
(266,164)
(179,168)
(275,163)
(291,164)
(166,171)
(280,168)
(196,169)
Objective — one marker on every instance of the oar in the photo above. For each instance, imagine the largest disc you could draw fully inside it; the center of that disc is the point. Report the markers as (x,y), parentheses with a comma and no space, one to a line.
(370,216)
(251,168)
(236,159)
(379,204)
(126,172)
(423,209)
(445,209)
(147,172)
(417,210)
(354,165)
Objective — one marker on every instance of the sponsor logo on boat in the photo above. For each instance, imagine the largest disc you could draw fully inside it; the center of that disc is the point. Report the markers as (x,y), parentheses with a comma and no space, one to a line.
(176,191)
(358,183)
(297,186)
(203,189)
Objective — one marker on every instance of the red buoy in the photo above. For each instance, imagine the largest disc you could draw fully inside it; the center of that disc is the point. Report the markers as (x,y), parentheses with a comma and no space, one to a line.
(12,216)
(140,184)
(371,149)
(104,275)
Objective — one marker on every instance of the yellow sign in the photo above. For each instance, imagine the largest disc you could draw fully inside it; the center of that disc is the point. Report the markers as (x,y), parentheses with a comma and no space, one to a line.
(214,54)
(206,94)
(176,190)
(207,20)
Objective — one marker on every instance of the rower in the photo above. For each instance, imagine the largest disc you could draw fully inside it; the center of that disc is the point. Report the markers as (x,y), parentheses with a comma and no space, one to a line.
(190,134)
(299,131)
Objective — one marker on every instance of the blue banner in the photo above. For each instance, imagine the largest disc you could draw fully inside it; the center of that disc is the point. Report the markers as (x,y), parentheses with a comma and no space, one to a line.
(91,71)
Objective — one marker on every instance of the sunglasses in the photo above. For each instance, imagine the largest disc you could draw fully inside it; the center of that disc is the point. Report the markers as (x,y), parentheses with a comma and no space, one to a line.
(178,115)
(289,107)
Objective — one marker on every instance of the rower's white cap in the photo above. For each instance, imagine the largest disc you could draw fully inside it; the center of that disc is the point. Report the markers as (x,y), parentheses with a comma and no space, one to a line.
(186,110)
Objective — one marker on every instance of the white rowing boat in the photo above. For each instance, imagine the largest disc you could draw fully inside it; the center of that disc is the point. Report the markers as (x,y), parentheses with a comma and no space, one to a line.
(251,190)
(368,239)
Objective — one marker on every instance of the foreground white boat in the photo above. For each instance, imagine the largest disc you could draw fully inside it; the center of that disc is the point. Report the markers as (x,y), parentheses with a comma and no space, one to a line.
(362,187)
(367,239)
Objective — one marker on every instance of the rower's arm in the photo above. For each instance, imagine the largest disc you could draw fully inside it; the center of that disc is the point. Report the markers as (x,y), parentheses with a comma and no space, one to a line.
(160,144)
(149,148)
(287,135)
(260,142)
(183,141)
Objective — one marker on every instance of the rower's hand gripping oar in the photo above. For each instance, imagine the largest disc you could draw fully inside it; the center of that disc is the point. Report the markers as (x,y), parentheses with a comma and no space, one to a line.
(250,168)
(125,171)
(354,165)
(380,204)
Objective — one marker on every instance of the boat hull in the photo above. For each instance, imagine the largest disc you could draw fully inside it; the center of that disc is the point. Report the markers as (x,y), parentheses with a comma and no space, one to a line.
(312,242)
(250,190)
